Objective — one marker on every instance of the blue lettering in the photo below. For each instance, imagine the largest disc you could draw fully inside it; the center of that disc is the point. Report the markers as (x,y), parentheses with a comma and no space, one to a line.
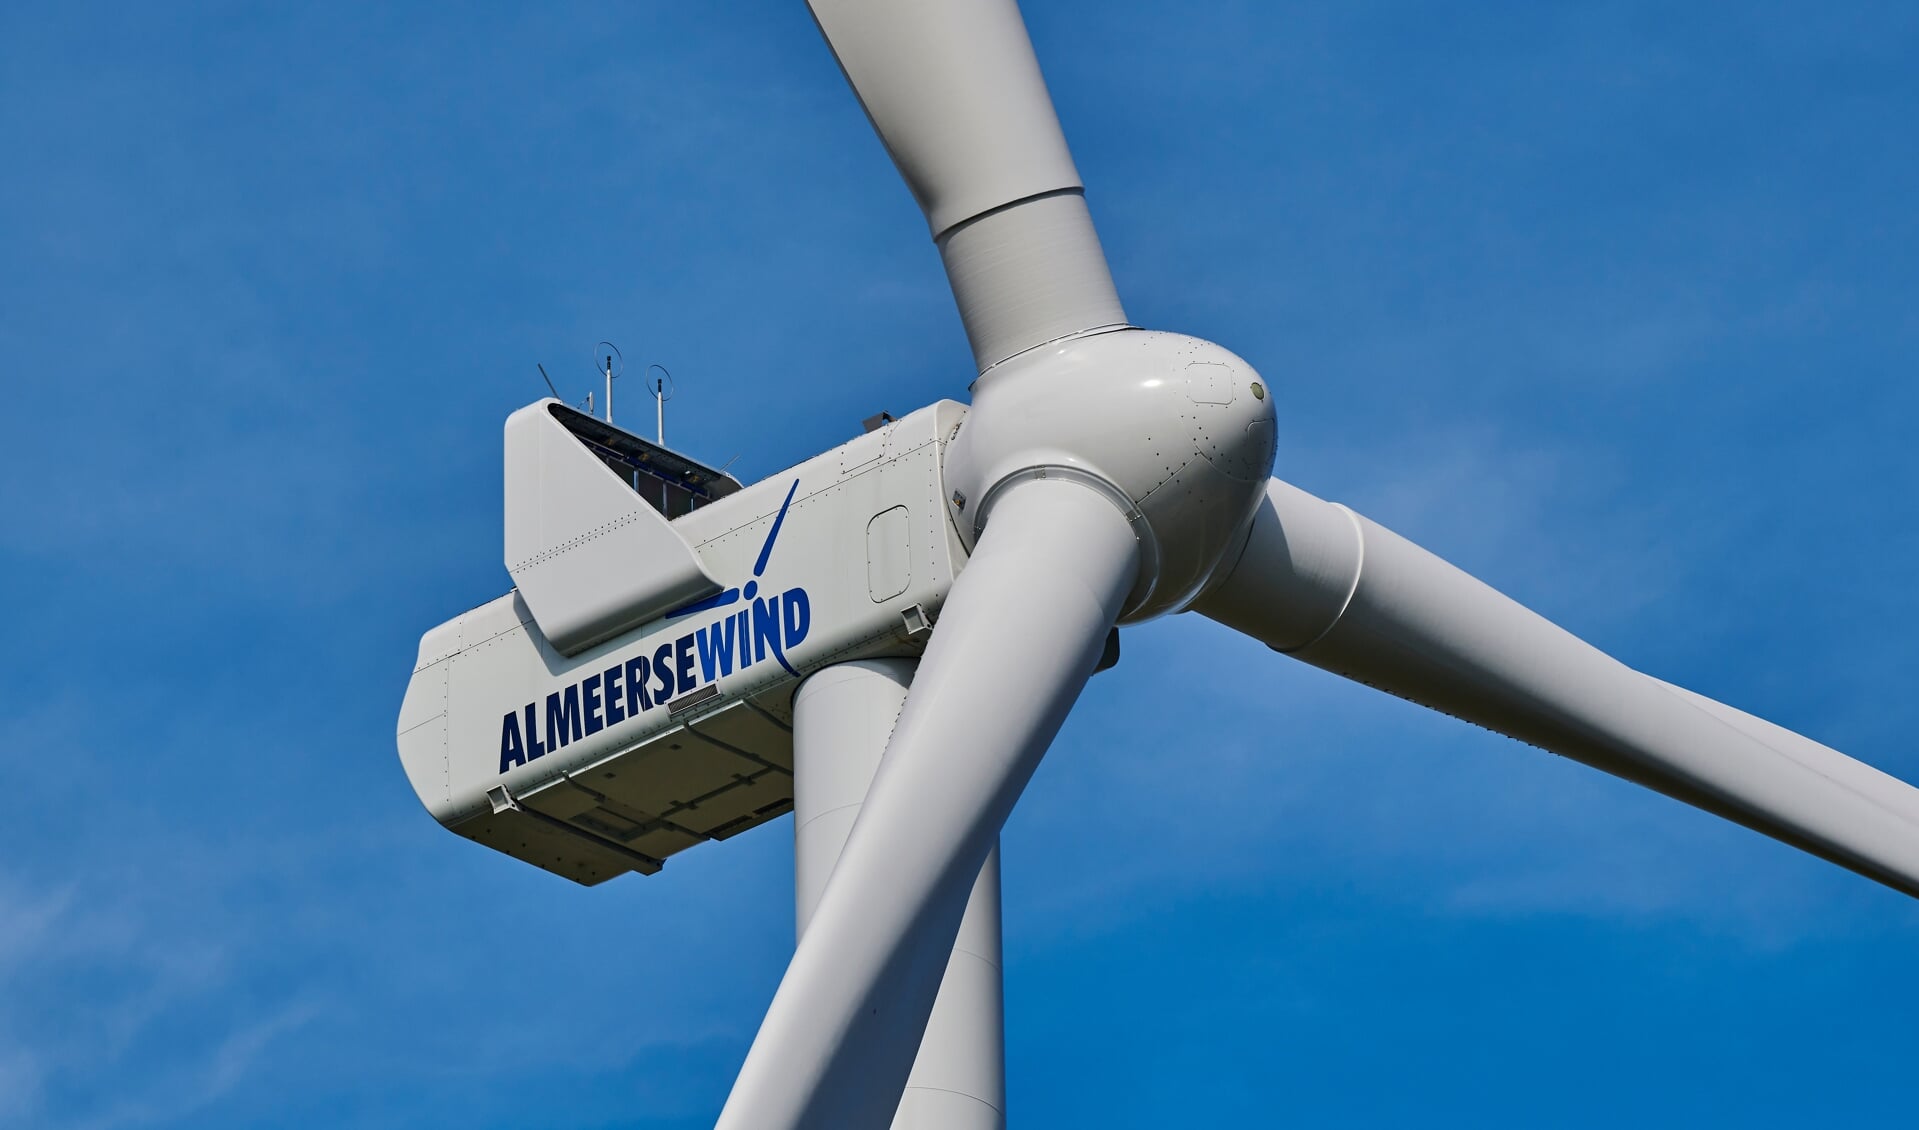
(563,718)
(636,696)
(622,691)
(534,750)
(512,752)
(766,631)
(663,671)
(683,662)
(615,712)
(766,627)
(590,703)
(708,661)
(797,614)
(716,649)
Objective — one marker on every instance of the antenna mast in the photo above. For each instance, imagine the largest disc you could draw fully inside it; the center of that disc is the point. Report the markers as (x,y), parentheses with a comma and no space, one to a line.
(662,392)
(605,354)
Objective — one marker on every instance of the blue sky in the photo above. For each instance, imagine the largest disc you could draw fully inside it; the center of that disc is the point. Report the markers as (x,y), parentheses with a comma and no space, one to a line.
(1612,305)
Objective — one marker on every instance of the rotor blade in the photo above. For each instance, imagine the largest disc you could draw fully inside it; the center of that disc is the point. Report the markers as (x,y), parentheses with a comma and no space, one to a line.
(1327,586)
(1024,624)
(955,93)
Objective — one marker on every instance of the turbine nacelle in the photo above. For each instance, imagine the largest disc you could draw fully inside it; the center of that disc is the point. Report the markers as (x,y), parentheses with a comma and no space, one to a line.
(1176,431)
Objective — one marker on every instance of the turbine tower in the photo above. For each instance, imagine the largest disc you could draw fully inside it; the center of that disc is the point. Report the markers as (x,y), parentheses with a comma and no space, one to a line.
(886,638)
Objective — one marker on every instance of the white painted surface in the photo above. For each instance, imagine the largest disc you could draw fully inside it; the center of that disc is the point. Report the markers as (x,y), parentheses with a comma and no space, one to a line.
(1117,409)
(589,556)
(492,661)
(889,553)
(842,718)
(957,97)
(1019,636)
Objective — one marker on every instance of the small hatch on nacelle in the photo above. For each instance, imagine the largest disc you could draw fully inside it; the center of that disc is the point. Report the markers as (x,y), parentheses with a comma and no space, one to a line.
(670,482)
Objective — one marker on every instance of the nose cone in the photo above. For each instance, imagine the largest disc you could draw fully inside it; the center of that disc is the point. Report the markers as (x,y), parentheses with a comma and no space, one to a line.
(1232,416)
(1197,514)
(1176,430)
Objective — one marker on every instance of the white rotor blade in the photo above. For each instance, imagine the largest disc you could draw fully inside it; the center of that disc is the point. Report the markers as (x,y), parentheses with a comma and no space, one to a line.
(1020,633)
(955,94)
(1327,586)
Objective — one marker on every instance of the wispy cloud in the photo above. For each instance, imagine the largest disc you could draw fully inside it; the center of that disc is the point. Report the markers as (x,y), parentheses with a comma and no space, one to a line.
(100,991)
(210,1075)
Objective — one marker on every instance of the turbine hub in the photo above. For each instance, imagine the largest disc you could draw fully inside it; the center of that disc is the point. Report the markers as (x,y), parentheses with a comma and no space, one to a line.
(1177,431)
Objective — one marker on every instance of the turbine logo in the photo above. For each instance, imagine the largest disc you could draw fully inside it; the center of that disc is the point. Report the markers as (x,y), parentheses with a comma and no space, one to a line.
(764,611)
(768,625)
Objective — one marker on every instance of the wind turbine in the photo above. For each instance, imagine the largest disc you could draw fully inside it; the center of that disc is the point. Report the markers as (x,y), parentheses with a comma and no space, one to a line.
(942,590)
